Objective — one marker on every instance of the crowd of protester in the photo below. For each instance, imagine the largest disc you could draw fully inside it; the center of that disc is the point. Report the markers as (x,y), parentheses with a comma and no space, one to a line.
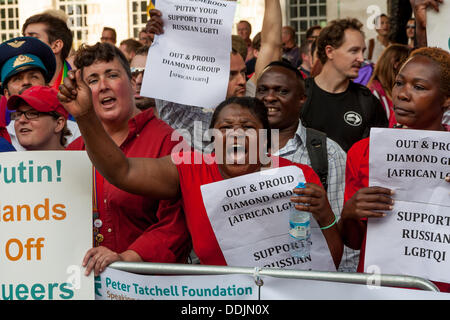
(336,85)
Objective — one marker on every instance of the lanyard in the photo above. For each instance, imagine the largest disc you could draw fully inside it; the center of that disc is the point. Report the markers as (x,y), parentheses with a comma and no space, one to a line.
(97,223)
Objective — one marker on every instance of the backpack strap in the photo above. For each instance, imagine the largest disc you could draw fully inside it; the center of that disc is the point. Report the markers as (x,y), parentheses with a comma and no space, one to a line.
(316,144)
(371,47)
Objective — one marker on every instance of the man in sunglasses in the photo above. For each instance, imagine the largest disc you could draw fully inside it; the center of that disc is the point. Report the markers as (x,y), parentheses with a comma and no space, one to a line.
(411,32)
(40,121)
(137,67)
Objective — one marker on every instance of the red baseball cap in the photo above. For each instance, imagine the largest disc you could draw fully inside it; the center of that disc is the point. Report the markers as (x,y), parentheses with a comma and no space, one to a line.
(41,98)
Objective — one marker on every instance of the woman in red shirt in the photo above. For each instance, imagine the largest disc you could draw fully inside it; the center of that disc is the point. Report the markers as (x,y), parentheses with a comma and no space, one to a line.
(234,119)
(383,77)
(421,95)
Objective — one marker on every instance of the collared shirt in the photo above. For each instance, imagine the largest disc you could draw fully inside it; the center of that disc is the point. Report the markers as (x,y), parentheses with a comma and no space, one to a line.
(156,230)
(192,122)
(189,121)
(295,150)
(446,119)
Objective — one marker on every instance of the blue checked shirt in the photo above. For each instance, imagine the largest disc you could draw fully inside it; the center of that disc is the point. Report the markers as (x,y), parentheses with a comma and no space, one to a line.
(191,122)
(295,150)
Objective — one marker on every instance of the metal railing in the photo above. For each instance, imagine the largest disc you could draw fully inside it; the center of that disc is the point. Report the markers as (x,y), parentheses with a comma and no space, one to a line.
(385,280)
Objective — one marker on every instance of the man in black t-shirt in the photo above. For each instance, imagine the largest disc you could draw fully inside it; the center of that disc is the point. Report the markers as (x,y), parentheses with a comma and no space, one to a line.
(336,105)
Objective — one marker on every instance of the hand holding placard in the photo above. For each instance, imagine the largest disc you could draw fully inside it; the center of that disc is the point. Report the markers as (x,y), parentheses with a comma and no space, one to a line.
(414,238)
(191,29)
(368,202)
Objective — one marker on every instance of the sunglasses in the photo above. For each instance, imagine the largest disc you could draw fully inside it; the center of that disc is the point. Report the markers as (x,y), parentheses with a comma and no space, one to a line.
(410,26)
(137,71)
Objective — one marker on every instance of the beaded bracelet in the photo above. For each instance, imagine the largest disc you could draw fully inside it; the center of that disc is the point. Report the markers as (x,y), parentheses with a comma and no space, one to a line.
(327,227)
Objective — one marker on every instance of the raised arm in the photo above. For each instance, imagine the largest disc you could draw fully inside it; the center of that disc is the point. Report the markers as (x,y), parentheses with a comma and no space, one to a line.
(420,8)
(155,25)
(271,45)
(157,178)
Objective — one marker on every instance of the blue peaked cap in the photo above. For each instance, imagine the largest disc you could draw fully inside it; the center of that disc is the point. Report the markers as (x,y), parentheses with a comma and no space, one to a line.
(22,53)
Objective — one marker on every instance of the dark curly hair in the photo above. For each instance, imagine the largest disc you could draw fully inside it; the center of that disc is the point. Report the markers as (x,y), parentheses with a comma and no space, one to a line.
(101,51)
(255,106)
(333,35)
(55,29)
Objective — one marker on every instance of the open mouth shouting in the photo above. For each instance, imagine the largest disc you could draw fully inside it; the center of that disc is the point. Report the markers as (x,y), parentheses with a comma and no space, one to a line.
(108,101)
(236,153)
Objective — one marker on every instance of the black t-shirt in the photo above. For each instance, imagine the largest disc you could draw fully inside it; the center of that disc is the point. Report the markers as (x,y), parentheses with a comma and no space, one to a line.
(341,115)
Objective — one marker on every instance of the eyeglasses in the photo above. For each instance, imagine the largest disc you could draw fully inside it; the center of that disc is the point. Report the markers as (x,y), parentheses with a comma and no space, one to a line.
(410,26)
(137,71)
(31,114)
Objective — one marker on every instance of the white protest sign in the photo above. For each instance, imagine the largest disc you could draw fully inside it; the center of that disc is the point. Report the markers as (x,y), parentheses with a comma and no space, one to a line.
(413,238)
(190,62)
(300,289)
(250,218)
(412,162)
(120,285)
(438,35)
(45,225)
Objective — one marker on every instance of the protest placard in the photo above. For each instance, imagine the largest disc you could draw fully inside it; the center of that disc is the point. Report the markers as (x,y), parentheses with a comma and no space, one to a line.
(250,218)
(190,62)
(114,284)
(302,289)
(413,162)
(413,238)
(438,35)
(120,285)
(45,225)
